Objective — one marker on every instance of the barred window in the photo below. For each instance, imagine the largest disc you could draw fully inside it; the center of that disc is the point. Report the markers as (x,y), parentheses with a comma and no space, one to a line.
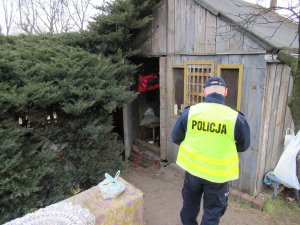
(196,76)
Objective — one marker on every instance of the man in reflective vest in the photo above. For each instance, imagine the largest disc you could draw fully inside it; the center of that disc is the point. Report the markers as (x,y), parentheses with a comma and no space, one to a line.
(209,134)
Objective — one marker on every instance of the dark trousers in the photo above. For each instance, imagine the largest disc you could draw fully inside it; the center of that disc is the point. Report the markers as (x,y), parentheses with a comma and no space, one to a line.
(215,198)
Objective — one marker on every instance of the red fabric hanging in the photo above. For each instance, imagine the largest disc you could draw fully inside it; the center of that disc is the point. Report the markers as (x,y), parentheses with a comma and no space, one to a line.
(148,82)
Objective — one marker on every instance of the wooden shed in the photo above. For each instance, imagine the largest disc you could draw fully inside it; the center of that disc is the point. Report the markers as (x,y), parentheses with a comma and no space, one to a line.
(191,40)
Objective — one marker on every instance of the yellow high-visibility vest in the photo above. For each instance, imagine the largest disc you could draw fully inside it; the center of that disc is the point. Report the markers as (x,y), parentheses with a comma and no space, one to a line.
(208,150)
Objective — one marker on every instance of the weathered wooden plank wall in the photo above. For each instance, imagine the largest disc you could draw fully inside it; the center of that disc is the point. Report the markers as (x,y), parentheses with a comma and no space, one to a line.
(182,30)
(163,107)
(199,39)
(222,39)
(277,118)
(210,28)
(251,106)
(172,149)
(176,20)
(127,128)
(184,27)
(190,26)
(171,27)
(252,95)
(158,31)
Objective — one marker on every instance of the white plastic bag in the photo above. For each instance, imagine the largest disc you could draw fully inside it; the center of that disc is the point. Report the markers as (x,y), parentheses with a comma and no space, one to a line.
(289,136)
(286,167)
(110,187)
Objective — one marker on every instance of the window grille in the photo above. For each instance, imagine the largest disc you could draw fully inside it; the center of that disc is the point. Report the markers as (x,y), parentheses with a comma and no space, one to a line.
(196,76)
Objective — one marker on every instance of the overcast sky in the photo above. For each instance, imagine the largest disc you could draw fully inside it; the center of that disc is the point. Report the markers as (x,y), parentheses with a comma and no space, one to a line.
(93,11)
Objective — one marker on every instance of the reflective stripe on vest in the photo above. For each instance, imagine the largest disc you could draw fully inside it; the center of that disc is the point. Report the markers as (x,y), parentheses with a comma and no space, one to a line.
(208,149)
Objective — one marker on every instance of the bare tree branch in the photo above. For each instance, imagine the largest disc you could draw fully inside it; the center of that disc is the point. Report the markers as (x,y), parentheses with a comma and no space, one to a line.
(28,17)
(8,7)
(78,11)
(259,15)
(51,16)
(49,13)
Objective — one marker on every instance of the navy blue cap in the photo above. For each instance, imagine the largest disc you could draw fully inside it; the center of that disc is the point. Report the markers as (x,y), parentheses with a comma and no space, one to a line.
(214,81)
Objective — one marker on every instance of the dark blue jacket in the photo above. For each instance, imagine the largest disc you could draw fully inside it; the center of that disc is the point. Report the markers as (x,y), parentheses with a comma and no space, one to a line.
(241,130)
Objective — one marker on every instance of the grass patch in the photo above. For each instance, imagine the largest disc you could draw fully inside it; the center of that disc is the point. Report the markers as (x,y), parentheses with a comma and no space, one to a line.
(234,201)
(282,209)
(279,209)
(279,205)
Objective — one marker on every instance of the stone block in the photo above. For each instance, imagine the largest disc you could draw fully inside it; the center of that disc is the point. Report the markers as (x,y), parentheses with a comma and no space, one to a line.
(258,203)
(247,198)
(235,193)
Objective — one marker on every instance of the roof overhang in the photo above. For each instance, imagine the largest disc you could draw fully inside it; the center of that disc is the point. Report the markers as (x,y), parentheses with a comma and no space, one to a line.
(268,46)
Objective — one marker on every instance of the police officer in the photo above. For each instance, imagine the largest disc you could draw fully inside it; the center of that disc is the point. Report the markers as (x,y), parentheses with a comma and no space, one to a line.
(209,134)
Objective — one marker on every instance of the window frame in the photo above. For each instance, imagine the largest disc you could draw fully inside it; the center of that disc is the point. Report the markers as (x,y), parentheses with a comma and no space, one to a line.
(184,66)
(240,79)
(207,62)
(172,93)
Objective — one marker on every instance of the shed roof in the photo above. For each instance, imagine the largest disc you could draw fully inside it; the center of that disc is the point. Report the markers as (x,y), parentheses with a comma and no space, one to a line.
(275,31)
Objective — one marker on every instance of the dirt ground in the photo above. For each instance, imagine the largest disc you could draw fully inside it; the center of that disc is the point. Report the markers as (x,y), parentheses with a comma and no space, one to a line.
(162,200)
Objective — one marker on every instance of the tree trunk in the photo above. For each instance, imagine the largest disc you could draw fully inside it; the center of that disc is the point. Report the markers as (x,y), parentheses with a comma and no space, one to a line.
(273,4)
(294,100)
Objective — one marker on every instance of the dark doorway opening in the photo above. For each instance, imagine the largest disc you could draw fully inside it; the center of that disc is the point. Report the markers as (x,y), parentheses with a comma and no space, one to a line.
(146,107)
(118,124)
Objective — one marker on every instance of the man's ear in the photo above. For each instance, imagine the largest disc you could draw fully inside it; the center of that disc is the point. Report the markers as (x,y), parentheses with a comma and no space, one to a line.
(226,92)
(204,92)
